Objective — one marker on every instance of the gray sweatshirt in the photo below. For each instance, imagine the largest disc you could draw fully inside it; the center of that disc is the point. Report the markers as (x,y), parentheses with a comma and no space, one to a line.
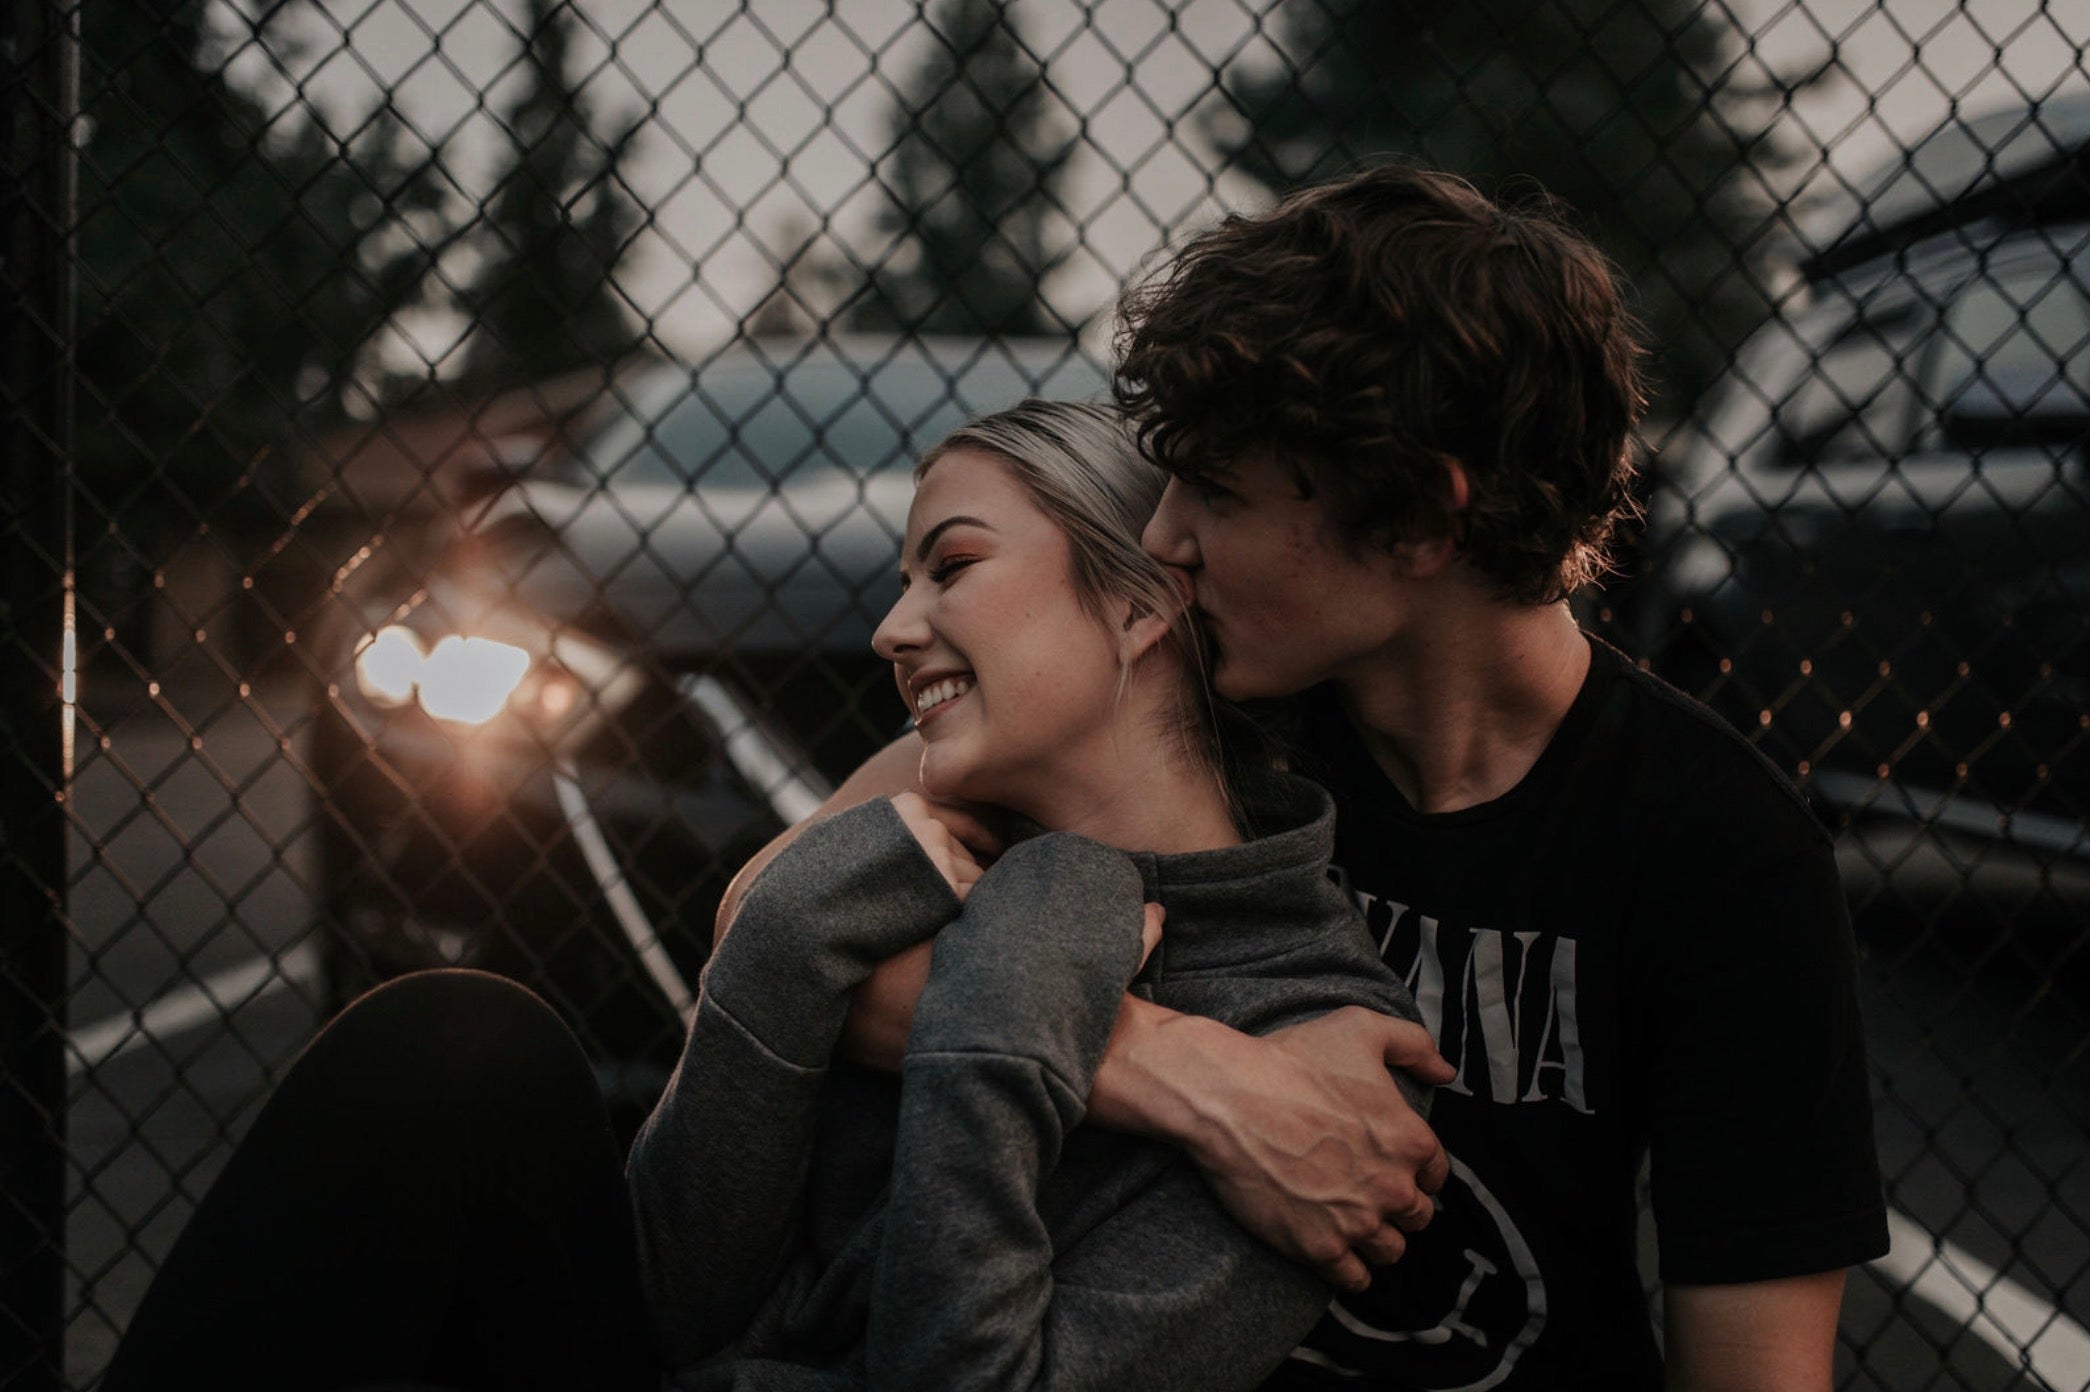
(807,1223)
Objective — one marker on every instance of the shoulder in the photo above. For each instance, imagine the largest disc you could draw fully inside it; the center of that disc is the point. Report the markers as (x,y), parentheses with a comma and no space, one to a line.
(1689,777)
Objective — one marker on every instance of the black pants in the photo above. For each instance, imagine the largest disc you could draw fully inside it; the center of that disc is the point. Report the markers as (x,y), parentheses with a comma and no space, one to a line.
(432,1196)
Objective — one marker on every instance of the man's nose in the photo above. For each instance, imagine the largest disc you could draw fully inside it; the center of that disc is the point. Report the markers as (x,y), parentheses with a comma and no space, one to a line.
(1166,538)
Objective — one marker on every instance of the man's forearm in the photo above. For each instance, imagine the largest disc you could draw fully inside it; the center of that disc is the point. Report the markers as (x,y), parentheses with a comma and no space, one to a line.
(1304,1136)
(1156,1076)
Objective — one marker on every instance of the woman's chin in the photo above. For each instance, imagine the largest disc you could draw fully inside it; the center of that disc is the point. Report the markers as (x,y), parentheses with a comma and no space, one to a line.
(948,776)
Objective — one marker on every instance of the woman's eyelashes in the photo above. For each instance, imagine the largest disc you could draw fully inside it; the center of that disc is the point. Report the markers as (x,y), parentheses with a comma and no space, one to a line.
(947,566)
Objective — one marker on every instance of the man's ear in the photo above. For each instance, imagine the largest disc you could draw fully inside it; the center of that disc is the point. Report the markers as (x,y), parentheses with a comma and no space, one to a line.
(1458,489)
(1425,556)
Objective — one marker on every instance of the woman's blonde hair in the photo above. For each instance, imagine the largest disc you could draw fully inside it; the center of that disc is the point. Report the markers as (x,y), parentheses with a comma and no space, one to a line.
(1080,463)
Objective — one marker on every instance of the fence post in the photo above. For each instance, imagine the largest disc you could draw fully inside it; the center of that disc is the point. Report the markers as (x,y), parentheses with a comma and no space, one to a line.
(37,40)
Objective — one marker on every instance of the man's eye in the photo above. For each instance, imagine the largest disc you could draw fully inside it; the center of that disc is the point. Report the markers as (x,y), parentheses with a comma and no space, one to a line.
(1211,493)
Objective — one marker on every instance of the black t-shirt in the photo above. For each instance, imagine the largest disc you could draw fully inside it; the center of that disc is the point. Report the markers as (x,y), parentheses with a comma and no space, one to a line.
(1641,947)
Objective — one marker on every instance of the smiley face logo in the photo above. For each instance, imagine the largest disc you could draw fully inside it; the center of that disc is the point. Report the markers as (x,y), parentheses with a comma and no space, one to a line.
(1466,1301)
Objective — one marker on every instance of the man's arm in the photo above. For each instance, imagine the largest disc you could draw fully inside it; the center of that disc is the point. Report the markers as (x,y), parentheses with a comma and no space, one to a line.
(1754,1273)
(1763,1336)
(1302,1133)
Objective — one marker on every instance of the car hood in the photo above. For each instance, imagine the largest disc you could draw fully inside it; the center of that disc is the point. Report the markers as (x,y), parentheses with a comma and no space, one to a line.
(686,572)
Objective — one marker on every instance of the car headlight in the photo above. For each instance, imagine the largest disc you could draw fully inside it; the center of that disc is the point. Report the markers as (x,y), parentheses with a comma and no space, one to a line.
(562,686)
(388,666)
(465,680)
(469,680)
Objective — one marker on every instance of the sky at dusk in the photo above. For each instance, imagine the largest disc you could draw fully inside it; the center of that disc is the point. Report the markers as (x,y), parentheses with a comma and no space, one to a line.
(762,120)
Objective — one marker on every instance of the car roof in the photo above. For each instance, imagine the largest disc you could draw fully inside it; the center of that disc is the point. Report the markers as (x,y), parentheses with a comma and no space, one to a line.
(919,388)
(868,351)
(2020,167)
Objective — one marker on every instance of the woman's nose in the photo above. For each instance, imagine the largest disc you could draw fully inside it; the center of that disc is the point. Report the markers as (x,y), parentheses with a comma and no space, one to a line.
(903,629)
(1166,537)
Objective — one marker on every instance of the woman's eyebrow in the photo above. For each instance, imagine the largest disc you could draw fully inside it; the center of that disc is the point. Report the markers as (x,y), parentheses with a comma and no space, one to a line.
(921,548)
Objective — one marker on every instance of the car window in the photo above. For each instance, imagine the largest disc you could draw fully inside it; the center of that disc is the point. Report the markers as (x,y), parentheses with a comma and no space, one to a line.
(1859,401)
(2013,346)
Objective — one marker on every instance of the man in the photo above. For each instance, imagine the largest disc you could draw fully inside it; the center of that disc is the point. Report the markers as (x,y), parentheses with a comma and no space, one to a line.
(1398,418)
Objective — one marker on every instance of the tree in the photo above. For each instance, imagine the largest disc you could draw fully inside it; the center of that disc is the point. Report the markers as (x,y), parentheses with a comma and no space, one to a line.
(235,266)
(812,280)
(975,168)
(1615,108)
(559,221)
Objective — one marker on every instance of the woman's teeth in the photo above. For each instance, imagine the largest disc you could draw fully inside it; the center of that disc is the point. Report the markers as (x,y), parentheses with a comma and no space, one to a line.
(936,693)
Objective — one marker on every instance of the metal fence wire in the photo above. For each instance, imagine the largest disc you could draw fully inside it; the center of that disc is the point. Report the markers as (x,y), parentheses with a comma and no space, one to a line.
(457,450)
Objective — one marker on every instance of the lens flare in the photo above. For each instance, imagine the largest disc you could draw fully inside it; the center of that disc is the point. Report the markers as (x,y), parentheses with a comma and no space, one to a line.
(388,665)
(468,680)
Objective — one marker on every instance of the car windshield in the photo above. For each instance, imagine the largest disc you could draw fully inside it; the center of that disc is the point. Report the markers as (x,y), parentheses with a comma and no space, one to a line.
(1859,400)
(752,428)
(2019,343)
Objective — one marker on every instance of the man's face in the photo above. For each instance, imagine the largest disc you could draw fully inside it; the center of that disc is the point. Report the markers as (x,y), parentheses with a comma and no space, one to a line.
(1285,600)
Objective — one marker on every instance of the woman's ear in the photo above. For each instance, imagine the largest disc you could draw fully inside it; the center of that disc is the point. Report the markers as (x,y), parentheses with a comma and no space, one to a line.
(1139,630)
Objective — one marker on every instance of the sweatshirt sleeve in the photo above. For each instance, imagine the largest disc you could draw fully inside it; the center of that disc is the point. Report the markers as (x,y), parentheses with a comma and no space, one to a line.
(968,1291)
(718,1172)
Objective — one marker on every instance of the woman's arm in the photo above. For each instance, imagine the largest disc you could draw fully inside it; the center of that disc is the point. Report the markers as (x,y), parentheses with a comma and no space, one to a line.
(969,1291)
(718,1172)
(892,770)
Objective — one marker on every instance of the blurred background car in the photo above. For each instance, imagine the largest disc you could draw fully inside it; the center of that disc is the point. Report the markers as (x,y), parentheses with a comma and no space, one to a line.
(1871,551)
(638,657)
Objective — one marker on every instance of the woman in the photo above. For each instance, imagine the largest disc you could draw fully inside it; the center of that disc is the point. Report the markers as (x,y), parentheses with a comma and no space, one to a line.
(804,1223)
(431,1194)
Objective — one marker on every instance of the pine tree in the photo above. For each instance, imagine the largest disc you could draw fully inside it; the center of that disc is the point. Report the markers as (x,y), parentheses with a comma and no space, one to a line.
(556,227)
(1607,106)
(235,266)
(973,179)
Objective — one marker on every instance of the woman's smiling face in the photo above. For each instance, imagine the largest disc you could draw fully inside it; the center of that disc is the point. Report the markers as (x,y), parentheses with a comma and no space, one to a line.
(1012,679)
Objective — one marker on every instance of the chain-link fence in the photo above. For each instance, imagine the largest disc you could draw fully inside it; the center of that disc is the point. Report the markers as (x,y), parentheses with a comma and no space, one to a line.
(457,450)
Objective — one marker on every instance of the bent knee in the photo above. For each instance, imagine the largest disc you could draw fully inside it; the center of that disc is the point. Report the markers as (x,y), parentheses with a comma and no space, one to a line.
(459,1029)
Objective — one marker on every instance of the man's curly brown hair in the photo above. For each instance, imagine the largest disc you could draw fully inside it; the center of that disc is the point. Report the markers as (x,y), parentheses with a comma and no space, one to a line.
(1367,330)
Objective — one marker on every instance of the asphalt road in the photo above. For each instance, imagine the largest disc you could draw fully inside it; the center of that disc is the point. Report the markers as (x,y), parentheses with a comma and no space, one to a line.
(192,860)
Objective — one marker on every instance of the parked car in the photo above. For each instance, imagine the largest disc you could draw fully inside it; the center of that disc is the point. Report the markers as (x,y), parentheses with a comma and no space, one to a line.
(633,665)
(1872,549)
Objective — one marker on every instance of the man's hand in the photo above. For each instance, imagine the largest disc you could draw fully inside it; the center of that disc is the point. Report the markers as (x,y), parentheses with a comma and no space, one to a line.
(1303,1134)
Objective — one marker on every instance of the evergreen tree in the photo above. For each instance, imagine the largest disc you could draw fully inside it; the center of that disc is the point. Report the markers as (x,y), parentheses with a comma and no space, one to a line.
(973,179)
(556,227)
(812,280)
(234,267)
(1608,106)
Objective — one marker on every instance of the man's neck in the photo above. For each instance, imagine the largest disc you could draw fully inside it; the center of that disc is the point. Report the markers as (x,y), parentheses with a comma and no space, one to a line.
(1458,711)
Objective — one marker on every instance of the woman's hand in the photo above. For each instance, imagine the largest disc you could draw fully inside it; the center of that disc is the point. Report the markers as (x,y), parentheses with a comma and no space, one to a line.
(956,841)
(1150,932)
